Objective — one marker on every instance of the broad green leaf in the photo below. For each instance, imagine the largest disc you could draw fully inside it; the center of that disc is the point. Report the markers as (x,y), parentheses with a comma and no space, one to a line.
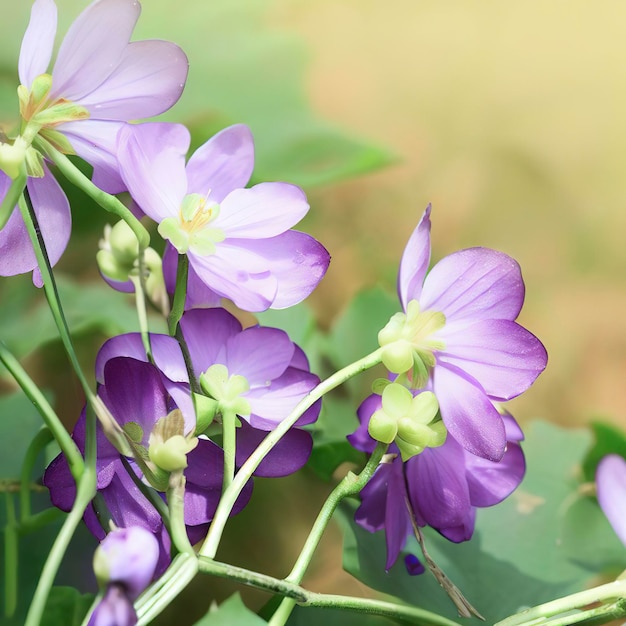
(66,606)
(608,440)
(231,611)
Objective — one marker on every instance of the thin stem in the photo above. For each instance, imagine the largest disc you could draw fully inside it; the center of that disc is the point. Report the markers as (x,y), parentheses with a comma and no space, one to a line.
(84,493)
(178,564)
(10,558)
(52,421)
(142,315)
(39,442)
(11,198)
(592,617)
(39,520)
(106,201)
(176,505)
(211,543)
(180,294)
(229,443)
(615,590)
(349,486)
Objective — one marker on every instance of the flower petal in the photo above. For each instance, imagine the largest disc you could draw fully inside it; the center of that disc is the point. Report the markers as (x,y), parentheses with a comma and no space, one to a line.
(224,163)
(93,47)
(152,165)
(468,413)
(265,210)
(371,513)
(474,284)
(38,41)
(501,355)
(360,438)
(415,260)
(611,485)
(148,80)
(397,521)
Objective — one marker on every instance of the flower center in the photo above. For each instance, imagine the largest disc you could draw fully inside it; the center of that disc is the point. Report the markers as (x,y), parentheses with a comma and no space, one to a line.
(409,343)
(191,230)
(228,391)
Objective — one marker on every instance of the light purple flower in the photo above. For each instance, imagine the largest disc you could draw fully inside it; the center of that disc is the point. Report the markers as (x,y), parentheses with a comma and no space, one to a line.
(459,328)
(443,486)
(238,240)
(611,490)
(115,609)
(100,80)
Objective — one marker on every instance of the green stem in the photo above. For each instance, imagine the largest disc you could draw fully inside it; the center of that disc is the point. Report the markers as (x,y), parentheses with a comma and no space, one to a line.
(211,543)
(106,201)
(349,486)
(142,315)
(84,493)
(52,421)
(39,442)
(176,505)
(11,198)
(229,443)
(39,520)
(538,614)
(10,558)
(180,294)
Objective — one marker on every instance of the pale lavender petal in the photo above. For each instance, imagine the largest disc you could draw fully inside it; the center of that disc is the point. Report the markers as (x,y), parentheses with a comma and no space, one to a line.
(501,355)
(236,273)
(437,486)
(474,284)
(265,210)
(206,331)
(299,359)
(93,47)
(114,609)
(468,413)
(297,261)
(288,456)
(95,141)
(272,403)
(397,521)
(148,80)
(512,428)
(38,41)
(259,353)
(371,514)
(152,165)
(415,260)
(611,486)
(198,294)
(224,163)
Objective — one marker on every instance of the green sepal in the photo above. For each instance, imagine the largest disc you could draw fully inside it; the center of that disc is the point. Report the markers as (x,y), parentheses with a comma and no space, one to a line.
(206,410)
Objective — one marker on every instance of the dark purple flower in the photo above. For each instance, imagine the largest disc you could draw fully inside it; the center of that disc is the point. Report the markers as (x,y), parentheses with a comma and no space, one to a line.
(100,80)
(611,489)
(238,240)
(458,335)
(443,485)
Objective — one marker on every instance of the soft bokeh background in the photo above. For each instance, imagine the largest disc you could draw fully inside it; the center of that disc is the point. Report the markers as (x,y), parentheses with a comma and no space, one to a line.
(508,117)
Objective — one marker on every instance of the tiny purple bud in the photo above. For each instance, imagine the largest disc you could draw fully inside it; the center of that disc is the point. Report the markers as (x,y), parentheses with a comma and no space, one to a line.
(413,565)
(115,609)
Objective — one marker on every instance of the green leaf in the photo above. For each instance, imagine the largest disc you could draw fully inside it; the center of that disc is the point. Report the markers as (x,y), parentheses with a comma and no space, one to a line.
(19,423)
(608,440)
(66,606)
(231,611)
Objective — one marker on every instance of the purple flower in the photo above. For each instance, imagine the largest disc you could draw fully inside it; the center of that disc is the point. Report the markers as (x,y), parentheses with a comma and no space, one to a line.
(459,337)
(99,81)
(115,609)
(443,485)
(238,241)
(611,488)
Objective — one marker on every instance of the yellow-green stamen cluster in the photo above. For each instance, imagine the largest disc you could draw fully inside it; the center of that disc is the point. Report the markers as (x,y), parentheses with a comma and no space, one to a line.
(191,230)
(408,343)
(412,422)
(226,390)
(168,446)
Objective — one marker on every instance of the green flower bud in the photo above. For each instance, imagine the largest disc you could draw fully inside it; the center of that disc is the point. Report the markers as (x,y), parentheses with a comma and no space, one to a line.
(13,158)
(382,427)
(168,446)
(227,390)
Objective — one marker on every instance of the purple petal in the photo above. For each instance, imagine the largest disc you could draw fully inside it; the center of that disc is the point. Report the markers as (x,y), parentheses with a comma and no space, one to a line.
(152,165)
(115,609)
(95,141)
(489,482)
(205,465)
(297,261)
(414,566)
(53,214)
(38,41)
(611,486)
(437,485)
(512,428)
(265,210)
(198,294)
(397,521)
(206,332)
(93,47)
(288,456)
(239,274)
(60,482)
(135,393)
(271,404)
(464,531)
(360,438)
(474,284)
(415,260)
(371,514)
(468,413)
(224,163)
(148,80)
(501,355)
